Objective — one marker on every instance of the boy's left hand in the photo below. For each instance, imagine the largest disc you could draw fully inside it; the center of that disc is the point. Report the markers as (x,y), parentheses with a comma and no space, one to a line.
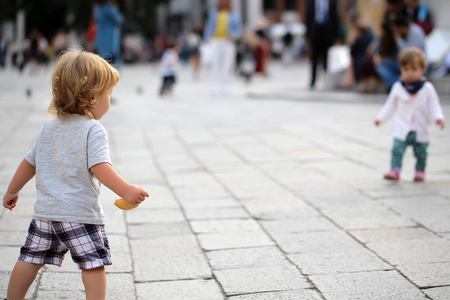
(10,200)
(440,123)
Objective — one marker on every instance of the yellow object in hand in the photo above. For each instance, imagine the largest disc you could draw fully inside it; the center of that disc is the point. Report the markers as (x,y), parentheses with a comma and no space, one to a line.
(123,204)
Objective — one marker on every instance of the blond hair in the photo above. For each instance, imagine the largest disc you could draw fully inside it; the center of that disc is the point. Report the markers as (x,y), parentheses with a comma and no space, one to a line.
(77,77)
(411,56)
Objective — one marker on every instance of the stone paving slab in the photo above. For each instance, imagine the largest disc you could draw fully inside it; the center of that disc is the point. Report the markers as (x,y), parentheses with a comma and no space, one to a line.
(226,240)
(184,289)
(283,295)
(262,279)
(366,216)
(375,235)
(413,251)
(427,275)
(376,285)
(247,258)
(353,260)
(438,293)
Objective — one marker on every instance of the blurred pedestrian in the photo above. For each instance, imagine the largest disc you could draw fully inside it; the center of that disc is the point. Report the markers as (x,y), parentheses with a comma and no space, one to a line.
(360,39)
(322,31)
(414,103)
(3,50)
(108,35)
(223,28)
(169,61)
(420,14)
(59,42)
(69,168)
(406,35)
(194,40)
(262,53)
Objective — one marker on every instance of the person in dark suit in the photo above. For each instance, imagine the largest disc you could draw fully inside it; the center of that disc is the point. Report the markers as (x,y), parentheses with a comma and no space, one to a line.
(322,31)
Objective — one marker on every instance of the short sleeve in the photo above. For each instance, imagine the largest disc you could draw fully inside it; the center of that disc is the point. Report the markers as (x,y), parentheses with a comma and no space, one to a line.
(30,156)
(97,146)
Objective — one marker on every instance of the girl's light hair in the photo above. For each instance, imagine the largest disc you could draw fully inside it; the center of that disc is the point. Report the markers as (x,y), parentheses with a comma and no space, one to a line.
(77,77)
(412,56)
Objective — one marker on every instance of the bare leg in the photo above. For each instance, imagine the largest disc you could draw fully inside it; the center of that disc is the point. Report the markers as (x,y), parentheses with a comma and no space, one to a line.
(22,277)
(95,283)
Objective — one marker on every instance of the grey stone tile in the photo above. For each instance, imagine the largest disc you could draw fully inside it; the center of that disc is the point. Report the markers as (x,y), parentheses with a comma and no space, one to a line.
(263,279)
(9,222)
(204,192)
(172,267)
(427,275)
(139,216)
(217,241)
(294,225)
(431,212)
(185,289)
(353,260)
(413,251)
(438,293)
(376,285)
(61,294)
(223,202)
(11,238)
(191,179)
(230,225)
(388,189)
(316,242)
(9,257)
(215,213)
(271,209)
(121,263)
(53,281)
(168,258)
(157,230)
(305,294)
(366,216)
(375,235)
(120,286)
(247,258)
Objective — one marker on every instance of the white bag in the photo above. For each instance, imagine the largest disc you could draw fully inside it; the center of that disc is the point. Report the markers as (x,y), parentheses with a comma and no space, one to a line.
(206,54)
(338,58)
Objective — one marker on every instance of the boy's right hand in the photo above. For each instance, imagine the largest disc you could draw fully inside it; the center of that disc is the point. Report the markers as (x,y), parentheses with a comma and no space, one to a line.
(440,123)
(135,194)
(377,122)
(10,200)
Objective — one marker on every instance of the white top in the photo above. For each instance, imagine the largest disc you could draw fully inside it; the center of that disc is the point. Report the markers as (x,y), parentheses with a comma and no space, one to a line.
(63,154)
(412,113)
(169,61)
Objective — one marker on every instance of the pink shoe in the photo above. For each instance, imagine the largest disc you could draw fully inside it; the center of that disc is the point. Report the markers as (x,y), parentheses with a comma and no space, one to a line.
(419,176)
(393,174)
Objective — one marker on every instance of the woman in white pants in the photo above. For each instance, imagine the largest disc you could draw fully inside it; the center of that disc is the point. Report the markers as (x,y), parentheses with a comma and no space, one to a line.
(223,27)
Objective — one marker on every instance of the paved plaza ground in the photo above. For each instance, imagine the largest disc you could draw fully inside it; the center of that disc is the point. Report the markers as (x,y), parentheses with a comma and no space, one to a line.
(271,192)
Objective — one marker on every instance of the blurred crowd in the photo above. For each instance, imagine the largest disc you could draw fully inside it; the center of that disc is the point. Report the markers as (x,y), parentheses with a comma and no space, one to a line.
(365,54)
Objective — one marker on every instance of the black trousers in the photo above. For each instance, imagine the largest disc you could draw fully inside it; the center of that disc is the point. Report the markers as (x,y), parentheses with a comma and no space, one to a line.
(319,50)
(167,84)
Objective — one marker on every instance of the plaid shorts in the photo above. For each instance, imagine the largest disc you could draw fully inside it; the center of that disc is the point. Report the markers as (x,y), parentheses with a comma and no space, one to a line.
(47,242)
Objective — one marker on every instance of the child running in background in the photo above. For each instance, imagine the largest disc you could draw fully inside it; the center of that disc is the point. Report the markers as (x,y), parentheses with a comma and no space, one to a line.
(70,158)
(169,61)
(414,103)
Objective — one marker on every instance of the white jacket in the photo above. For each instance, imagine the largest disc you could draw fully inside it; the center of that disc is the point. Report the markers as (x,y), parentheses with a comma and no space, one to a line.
(419,110)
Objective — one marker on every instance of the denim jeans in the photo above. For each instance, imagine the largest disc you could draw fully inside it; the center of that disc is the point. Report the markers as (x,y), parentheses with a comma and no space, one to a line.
(399,148)
(389,71)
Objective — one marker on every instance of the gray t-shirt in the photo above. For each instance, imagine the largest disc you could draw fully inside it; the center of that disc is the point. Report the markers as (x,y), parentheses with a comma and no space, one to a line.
(63,154)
